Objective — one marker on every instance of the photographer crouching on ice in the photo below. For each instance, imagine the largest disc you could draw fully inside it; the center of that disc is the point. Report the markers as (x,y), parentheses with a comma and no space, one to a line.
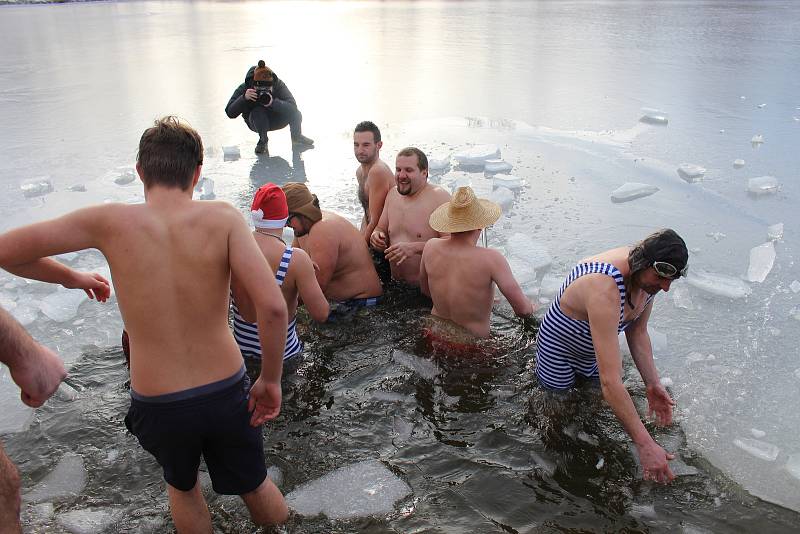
(266,104)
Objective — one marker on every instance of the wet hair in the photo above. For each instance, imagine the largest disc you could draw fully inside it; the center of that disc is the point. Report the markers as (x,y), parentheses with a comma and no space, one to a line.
(369,126)
(169,153)
(664,245)
(422,160)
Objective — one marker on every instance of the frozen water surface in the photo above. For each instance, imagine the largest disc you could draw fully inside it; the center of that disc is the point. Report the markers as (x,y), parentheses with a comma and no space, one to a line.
(631,191)
(67,479)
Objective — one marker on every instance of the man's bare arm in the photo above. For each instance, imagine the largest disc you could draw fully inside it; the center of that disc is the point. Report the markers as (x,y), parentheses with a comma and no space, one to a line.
(602,306)
(423,274)
(308,287)
(378,189)
(379,239)
(508,286)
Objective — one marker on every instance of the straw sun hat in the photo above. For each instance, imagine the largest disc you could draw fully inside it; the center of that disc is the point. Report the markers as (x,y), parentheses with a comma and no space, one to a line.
(464,212)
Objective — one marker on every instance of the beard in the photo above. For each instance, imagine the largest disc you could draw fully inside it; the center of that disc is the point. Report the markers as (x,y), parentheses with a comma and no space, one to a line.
(366,158)
(404,189)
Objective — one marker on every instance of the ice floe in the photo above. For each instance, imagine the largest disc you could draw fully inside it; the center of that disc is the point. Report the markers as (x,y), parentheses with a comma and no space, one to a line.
(504,197)
(477,155)
(125,175)
(775,232)
(358,490)
(762,185)
(497,165)
(230,152)
(15,416)
(691,172)
(523,271)
(795,286)
(205,186)
(738,163)
(631,191)
(762,259)
(438,165)
(793,466)
(759,449)
(757,139)
(529,250)
(718,284)
(424,368)
(88,520)
(67,479)
(758,434)
(62,305)
(37,187)
(506,180)
(654,116)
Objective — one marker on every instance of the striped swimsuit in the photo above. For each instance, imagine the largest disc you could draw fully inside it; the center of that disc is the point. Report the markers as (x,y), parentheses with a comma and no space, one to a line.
(564,347)
(246,334)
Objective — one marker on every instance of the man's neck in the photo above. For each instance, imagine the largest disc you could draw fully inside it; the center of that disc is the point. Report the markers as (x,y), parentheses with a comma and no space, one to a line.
(469,238)
(159,194)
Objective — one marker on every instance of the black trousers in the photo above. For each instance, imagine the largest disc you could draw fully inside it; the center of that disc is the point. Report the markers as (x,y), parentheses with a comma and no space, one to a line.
(262,120)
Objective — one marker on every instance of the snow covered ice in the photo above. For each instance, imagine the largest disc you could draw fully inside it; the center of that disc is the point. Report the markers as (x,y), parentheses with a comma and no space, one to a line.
(477,155)
(358,490)
(762,185)
(230,152)
(654,116)
(691,172)
(504,197)
(36,187)
(757,139)
(631,191)
(438,165)
(738,163)
(762,258)
(497,165)
(759,449)
(67,479)
(718,284)
(125,176)
(506,180)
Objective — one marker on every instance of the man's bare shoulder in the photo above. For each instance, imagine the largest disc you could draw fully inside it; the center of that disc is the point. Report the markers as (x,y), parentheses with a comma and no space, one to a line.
(380,171)
(438,193)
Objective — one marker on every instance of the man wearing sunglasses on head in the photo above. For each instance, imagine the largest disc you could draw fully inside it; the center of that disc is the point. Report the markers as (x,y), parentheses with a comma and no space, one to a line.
(604,295)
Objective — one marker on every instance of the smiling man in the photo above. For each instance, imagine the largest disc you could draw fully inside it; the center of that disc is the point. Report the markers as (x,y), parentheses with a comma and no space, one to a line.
(403,229)
(604,295)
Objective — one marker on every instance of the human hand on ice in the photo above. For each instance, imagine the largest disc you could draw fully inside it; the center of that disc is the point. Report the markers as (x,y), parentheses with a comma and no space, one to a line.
(655,463)
(659,403)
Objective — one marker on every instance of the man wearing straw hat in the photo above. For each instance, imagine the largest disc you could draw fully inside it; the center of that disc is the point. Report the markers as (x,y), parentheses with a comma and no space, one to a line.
(458,274)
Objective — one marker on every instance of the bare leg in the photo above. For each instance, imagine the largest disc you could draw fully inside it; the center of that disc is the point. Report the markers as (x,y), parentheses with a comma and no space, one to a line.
(9,495)
(266,504)
(189,510)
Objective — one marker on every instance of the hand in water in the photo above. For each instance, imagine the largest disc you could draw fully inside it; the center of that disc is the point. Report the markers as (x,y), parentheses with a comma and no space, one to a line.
(655,464)
(265,402)
(660,403)
(38,375)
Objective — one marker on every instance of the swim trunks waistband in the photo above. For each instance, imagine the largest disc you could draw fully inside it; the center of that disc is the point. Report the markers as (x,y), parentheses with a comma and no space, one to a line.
(190,393)
(360,303)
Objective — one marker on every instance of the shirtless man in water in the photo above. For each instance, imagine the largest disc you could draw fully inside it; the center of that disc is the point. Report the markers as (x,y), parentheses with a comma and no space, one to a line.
(613,292)
(375,178)
(171,259)
(460,276)
(345,271)
(403,228)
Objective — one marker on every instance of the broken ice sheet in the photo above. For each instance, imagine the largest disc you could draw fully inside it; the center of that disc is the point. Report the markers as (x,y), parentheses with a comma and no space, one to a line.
(477,155)
(88,520)
(425,368)
(62,305)
(358,490)
(762,185)
(718,284)
(529,250)
(125,175)
(230,152)
(504,197)
(682,297)
(759,449)
(762,259)
(37,187)
(691,172)
(795,286)
(67,479)
(497,165)
(654,116)
(738,163)
(793,466)
(438,165)
(506,180)
(775,232)
(631,191)
(757,139)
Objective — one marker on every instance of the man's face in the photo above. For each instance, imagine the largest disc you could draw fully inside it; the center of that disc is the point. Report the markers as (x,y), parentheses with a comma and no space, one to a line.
(365,148)
(652,283)
(299,224)
(407,175)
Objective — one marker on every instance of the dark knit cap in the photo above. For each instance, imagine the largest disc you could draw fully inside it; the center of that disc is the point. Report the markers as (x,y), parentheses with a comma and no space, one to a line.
(664,245)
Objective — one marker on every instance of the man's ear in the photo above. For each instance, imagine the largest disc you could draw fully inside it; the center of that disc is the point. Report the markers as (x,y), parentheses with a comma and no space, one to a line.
(379,144)
(139,171)
(196,177)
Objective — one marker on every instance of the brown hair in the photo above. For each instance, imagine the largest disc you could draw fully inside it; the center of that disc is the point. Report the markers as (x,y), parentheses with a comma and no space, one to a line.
(422,160)
(369,126)
(169,153)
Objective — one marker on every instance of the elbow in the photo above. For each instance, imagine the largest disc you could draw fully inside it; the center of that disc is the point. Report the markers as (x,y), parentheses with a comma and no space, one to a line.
(321,314)
(274,312)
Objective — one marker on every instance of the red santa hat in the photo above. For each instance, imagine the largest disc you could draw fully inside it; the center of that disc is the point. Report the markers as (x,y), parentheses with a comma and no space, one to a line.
(269,209)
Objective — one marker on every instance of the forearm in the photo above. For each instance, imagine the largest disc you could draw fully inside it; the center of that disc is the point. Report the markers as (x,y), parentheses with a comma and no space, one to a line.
(44,270)
(621,403)
(642,354)
(272,334)
(15,342)
(237,106)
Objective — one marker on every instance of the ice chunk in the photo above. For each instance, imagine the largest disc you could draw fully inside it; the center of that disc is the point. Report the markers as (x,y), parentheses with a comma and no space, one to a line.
(757,433)
(67,479)
(66,393)
(506,180)
(438,166)
(666,382)
(551,285)
(795,286)
(424,368)
(477,155)
(357,490)
(497,165)
(757,139)
(527,249)
(205,186)
(25,313)
(716,236)
(793,465)
(775,232)
(62,305)
(654,116)
(658,341)
(632,191)
(77,188)
(691,172)
(738,163)
(762,258)
(503,196)
(88,520)
(15,416)
(230,152)
(125,176)
(600,463)
(718,284)
(275,475)
(759,449)
(523,272)
(37,187)
(762,185)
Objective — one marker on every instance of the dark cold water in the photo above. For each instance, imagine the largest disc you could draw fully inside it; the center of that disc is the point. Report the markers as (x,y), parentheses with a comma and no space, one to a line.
(559,88)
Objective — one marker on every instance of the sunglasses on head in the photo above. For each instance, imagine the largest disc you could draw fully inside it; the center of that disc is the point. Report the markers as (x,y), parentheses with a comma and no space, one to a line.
(667,270)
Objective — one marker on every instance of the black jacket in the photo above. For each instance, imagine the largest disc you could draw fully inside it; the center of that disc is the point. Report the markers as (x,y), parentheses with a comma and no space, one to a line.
(239,105)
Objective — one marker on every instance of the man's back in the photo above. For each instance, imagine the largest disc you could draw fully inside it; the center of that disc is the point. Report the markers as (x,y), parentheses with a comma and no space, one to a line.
(344,260)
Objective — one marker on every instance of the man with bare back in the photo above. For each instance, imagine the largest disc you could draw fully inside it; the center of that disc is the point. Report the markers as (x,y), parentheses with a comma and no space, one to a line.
(403,228)
(171,259)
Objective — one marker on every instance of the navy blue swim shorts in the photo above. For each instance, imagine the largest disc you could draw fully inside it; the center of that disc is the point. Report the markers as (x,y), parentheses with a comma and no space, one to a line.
(211,421)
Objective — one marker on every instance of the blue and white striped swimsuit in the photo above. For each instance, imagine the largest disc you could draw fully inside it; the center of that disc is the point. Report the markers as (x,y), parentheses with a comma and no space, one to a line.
(246,334)
(564,347)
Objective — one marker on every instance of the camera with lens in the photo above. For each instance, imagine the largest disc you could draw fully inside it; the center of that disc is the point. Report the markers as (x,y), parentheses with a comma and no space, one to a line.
(263,92)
